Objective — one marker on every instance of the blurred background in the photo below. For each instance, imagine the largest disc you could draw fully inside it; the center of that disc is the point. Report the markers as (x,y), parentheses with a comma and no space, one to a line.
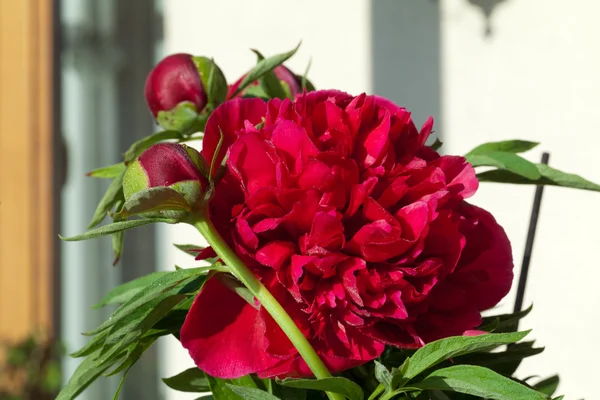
(72,74)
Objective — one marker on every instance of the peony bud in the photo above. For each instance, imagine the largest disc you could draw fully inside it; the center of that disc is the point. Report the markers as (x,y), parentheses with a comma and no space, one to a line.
(175,80)
(172,165)
(291,83)
(179,88)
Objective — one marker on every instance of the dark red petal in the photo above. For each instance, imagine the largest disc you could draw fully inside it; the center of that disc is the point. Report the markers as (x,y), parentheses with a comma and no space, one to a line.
(230,118)
(225,335)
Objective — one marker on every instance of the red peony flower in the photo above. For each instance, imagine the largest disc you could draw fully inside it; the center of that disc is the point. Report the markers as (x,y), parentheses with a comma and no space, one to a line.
(291,80)
(359,230)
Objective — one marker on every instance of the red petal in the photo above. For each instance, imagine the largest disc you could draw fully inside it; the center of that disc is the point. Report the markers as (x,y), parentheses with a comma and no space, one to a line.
(225,335)
(229,118)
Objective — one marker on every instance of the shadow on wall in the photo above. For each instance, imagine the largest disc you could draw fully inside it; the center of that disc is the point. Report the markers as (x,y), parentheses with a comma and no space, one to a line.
(406,58)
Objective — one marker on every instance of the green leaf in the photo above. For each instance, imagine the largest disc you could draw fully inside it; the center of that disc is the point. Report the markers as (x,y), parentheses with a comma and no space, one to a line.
(182,281)
(437,144)
(443,349)
(190,249)
(504,362)
(134,352)
(264,66)
(111,171)
(269,82)
(113,194)
(139,146)
(304,82)
(288,393)
(249,393)
(477,381)
(505,161)
(116,227)
(84,375)
(118,243)
(382,375)
(96,343)
(126,291)
(190,380)
(336,384)
(510,146)
(547,386)
(549,176)
(506,322)
(154,199)
(121,382)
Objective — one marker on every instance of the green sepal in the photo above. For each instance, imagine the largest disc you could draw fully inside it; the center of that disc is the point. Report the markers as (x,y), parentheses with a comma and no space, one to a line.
(213,80)
(159,202)
(183,118)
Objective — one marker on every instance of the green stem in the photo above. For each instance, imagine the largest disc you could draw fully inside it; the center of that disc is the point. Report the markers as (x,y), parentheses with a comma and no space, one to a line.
(266,299)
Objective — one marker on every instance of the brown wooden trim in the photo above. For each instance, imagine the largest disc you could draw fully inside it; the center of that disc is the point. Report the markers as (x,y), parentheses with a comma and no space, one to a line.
(26,167)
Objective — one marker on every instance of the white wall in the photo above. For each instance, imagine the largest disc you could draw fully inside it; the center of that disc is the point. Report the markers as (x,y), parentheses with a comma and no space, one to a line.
(535,78)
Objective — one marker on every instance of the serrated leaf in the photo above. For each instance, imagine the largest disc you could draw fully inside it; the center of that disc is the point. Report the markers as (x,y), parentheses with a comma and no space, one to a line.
(111,171)
(505,161)
(264,66)
(154,199)
(548,386)
(113,194)
(382,375)
(443,349)
(477,381)
(116,227)
(336,384)
(190,380)
(511,146)
(126,291)
(549,177)
(139,146)
(249,393)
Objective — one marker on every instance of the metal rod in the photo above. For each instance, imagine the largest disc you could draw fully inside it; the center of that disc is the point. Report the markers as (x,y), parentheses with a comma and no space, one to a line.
(535,212)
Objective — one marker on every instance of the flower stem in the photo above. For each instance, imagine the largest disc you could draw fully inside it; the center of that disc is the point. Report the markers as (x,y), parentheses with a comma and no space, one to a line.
(203,224)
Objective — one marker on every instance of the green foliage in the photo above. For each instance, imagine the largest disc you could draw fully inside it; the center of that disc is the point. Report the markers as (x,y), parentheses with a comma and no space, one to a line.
(264,66)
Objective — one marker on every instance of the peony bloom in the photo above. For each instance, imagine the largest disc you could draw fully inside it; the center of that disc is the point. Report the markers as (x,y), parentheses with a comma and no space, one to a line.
(174,80)
(360,231)
(172,165)
(287,77)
